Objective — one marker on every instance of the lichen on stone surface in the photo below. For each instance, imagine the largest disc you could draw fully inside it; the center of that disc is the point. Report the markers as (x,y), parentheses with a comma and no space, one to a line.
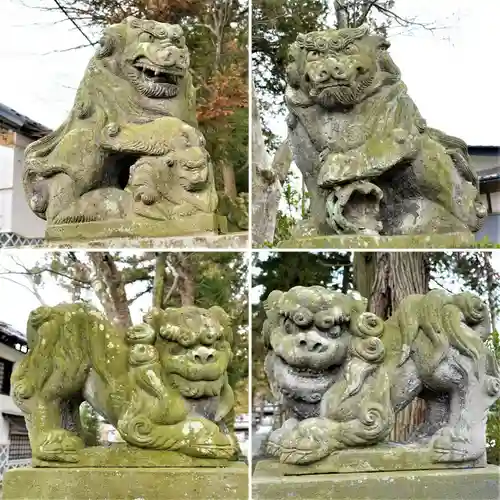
(130,149)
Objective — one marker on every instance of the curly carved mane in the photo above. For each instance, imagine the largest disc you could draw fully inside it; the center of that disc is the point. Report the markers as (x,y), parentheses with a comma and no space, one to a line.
(153,404)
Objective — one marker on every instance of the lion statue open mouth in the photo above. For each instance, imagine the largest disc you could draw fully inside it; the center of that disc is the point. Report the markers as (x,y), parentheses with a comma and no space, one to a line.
(163,384)
(370,162)
(432,347)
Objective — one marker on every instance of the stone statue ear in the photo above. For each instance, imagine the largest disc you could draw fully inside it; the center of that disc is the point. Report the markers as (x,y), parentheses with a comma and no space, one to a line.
(130,20)
(382,42)
(107,45)
(223,318)
(272,301)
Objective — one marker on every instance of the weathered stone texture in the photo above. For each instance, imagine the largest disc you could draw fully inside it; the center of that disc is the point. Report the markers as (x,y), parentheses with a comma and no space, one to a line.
(224,483)
(344,373)
(465,484)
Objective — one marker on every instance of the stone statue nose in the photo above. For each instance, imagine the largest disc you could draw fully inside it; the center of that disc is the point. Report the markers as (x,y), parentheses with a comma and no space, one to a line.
(312,344)
(204,355)
(338,71)
(167,56)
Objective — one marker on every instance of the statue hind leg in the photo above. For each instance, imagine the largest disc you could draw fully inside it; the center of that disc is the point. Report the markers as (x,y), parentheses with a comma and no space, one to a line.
(49,440)
(471,394)
(46,394)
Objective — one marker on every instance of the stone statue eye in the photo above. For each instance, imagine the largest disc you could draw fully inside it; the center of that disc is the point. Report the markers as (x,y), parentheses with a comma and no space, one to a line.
(302,317)
(325,322)
(146,37)
(335,331)
(312,55)
(350,49)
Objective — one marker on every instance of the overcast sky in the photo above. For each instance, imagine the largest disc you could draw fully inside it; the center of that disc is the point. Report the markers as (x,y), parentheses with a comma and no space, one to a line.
(451,74)
(16,300)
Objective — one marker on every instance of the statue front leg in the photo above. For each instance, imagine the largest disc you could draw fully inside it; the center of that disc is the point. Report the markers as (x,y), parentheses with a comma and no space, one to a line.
(372,159)
(309,441)
(196,437)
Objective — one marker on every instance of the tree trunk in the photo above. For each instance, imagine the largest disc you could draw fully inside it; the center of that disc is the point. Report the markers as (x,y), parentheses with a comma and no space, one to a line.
(266,188)
(229,180)
(385,279)
(183,265)
(397,275)
(341,14)
(110,289)
(159,281)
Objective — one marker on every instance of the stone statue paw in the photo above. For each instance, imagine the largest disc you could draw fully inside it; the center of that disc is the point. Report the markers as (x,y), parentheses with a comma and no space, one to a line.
(58,445)
(273,446)
(205,440)
(449,446)
(147,195)
(308,442)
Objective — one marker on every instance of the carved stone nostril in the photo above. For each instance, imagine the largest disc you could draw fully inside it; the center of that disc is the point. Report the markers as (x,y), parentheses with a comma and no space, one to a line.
(210,358)
(303,343)
(317,347)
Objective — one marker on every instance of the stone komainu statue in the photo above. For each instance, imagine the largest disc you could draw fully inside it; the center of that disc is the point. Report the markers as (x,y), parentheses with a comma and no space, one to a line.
(129,148)
(370,162)
(344,373)
(162,384)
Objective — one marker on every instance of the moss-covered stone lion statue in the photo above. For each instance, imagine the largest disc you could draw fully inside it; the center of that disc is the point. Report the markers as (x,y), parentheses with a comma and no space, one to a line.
(135,105)
(163,384)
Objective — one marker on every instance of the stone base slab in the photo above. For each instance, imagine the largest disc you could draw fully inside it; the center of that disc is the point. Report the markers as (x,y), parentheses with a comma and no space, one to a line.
(382,458)
(199,242)
(225,483)
(360,241)
(450,484)
(122,455)
(137,228)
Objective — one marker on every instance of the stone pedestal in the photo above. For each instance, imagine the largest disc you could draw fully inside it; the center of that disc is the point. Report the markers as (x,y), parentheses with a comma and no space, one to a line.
(172,483)
(183,226)
(454,484)
(350,241)
(200,241)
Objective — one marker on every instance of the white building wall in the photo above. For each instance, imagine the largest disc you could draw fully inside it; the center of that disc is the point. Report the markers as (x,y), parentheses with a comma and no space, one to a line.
(24,221)
(8,406)
(6,183)
(15,214)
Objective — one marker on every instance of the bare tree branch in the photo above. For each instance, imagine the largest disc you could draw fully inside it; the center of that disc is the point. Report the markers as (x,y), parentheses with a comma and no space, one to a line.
(33,290)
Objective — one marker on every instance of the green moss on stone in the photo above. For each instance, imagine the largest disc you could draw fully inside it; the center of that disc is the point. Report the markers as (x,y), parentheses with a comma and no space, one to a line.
(482,484)
(353,241)
(229,483)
